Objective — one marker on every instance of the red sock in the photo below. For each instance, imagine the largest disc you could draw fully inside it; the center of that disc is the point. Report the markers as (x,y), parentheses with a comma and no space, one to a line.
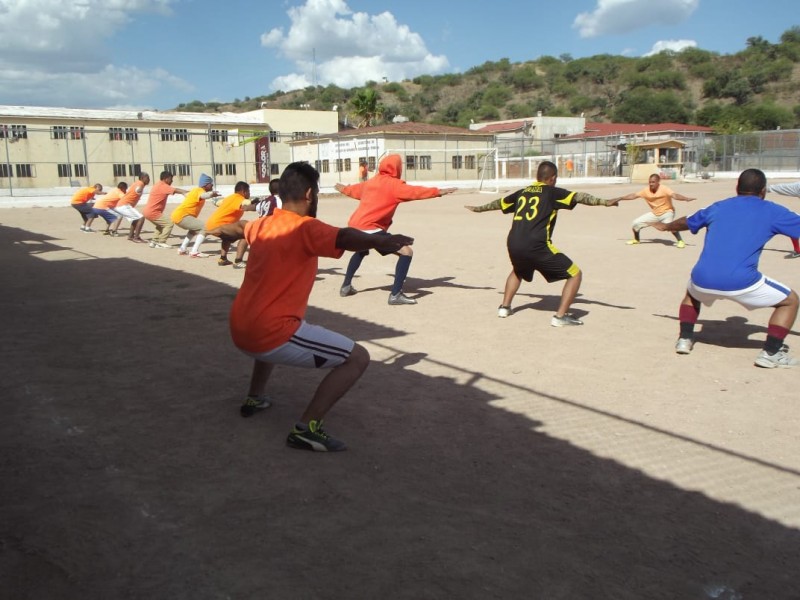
(687,314)
(777,332)
(796,244)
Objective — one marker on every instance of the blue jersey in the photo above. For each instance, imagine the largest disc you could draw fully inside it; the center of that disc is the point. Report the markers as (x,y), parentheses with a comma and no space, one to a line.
(736,231)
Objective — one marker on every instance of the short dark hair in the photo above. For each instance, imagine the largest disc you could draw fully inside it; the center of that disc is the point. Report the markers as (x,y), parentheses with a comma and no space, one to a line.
(296,179)
(241,186)
(751,182)
(546,170)
(165,174)
(275,187)
(122,186)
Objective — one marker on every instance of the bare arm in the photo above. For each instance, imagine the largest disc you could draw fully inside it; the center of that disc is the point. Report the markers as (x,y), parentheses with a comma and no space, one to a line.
(631,196)
(676,225)
(681,197)
(180,191)
(355,240)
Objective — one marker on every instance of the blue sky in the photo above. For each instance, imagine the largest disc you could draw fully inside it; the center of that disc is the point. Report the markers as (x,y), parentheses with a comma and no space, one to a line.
(159,53)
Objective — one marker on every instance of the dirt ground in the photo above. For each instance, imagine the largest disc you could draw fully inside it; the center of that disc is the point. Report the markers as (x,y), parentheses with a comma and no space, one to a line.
(488,458)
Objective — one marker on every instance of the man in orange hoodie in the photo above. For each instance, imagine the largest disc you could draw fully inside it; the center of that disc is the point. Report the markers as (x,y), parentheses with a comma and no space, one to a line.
(378,199)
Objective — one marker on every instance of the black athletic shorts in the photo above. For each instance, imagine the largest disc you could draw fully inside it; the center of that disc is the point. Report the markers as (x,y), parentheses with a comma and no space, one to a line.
(554,266)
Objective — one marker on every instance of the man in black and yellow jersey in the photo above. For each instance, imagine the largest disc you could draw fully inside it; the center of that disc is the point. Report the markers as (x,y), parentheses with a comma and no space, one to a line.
(530,246)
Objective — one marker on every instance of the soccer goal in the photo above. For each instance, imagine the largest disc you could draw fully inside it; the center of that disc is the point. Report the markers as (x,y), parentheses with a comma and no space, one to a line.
(458,166)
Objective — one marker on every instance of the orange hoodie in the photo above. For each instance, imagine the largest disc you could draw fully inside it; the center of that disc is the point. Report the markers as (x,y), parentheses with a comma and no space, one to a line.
(380,195)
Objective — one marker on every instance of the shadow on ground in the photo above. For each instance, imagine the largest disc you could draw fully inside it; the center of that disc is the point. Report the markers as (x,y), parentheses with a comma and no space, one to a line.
(126,471)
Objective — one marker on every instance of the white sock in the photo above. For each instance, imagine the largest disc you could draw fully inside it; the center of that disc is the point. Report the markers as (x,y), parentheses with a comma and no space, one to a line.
(197,241)
(185,243)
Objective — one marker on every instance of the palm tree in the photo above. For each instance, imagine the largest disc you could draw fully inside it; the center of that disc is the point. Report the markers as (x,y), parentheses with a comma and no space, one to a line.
(366,107)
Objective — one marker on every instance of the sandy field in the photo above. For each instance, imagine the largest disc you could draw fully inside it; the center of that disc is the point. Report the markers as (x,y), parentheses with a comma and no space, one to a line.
(488,458)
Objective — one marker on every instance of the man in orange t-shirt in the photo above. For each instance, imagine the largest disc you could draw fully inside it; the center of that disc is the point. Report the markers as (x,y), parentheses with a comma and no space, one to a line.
(230,210)
(104,207)
(659,198)
(378,199)
(126,207)
(154,209)
(81,203)
(267,319)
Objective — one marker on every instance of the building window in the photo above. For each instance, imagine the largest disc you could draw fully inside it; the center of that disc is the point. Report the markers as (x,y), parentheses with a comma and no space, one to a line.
(217,170)
(339,165)
(80,170)
(219,135)
(182,135)
(24,170)
(425,162)
(115,134)
(411,162)
(171,168)
(5,170)
(318,165)
(273,136)
(3,131)
(458,161)
(274,169)
(300,135)
(230,169)
(469,162)
(58,132)
(64,170)
(76,133)
(183,170)
(131,134)
(19,132)
(326,166)
(348,165)
(167,135)
(134,170)
(119,170)
(371,163)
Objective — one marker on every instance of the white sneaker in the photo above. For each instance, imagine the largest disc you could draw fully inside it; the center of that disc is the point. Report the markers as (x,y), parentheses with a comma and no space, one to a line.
(684,345)
(198,255)
(503,311)
(780,359)
(566,321)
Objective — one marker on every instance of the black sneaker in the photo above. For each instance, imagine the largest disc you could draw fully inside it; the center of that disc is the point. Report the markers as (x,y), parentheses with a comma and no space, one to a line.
(254,404)
(314,438)
(224,262)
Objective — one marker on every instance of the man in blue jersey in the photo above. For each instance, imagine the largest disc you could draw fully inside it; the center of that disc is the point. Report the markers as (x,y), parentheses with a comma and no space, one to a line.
(736,231)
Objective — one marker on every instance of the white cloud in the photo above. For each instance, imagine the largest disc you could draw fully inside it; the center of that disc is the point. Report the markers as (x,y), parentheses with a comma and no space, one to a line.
(612,17)
(673,45)
(55,53)
(347,48)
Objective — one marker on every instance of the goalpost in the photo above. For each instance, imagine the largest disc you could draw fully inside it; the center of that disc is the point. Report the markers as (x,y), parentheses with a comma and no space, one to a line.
(468,166)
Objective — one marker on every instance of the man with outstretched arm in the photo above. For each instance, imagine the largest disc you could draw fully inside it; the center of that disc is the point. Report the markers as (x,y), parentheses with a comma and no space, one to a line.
(736,231)
(267,319)
(529,242)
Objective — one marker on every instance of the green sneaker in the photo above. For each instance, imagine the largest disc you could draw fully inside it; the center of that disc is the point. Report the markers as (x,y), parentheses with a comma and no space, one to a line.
(254,404)
(314,438)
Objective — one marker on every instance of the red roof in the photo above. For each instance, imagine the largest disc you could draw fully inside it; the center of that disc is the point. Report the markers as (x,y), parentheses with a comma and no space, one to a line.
(595,130)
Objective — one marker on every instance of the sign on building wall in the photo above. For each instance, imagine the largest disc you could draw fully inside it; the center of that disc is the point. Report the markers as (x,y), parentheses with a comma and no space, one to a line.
(262,160)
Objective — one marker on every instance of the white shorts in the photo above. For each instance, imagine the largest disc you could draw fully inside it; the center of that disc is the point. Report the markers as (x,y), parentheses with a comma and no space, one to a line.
(129,212)
(648,219)
(311,347)
(761,294)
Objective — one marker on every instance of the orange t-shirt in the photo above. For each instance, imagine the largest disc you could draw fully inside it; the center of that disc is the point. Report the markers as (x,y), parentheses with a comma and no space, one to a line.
(133,195)
(280,273)
(190,207)
(229,211)
(110,199)
(660,201)
(157,200)
(83,195)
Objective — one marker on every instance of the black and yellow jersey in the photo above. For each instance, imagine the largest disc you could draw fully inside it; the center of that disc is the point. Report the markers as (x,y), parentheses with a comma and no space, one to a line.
(535,210)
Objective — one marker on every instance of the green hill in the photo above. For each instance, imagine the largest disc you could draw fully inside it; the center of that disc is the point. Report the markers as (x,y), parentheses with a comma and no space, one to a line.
(754,89)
